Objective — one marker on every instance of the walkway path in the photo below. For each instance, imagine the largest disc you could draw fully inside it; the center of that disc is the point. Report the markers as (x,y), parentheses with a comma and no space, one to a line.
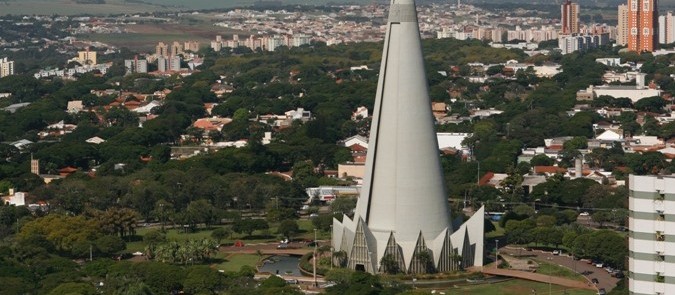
(538,278)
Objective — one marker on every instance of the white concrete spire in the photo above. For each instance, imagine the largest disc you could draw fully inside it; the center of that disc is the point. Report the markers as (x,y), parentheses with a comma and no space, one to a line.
(403,191)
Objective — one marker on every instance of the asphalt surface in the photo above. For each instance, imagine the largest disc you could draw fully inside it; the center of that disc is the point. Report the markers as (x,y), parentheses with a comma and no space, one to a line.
(605,280)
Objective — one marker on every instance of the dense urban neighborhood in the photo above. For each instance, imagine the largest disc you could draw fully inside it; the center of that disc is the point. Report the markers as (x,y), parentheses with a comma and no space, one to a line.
(199,163)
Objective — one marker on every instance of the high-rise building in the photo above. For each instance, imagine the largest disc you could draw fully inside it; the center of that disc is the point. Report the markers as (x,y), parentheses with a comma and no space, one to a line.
(651,234)
(162,49)
(176,49)
(667,28)
(402,220)
(6,67)
(569,17)
(166,64)
(86,57)
(642,24)
(136,65)
(191,46)
(622,27)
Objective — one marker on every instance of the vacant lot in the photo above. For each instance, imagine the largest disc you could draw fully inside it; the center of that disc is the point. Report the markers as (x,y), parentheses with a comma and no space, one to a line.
(146,36)
(67,7)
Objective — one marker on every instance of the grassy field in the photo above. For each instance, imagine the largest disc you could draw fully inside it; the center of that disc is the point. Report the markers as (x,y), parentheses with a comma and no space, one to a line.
(235,262)
(68,7)
(516,287)
(558,271)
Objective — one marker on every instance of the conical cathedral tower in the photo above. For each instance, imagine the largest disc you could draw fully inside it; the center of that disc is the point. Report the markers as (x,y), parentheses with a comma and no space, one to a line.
(402,217)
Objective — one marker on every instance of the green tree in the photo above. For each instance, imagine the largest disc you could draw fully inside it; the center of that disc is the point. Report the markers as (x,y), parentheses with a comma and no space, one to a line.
(601,217)
(654,104)
(343,205)
(248,226)
(203,280)
(221,233)
(541,160)
(110,244)
(74,288)
(288,228)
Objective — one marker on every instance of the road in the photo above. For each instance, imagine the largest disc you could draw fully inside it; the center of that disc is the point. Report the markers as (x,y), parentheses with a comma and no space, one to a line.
(606,281)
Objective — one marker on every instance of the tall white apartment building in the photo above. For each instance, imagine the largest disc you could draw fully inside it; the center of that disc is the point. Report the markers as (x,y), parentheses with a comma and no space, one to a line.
(651,240)
(136,65)
(6,67)
(167,64)
(667,28)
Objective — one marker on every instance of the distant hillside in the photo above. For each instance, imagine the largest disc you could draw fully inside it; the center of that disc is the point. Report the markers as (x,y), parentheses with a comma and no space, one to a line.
(103,7)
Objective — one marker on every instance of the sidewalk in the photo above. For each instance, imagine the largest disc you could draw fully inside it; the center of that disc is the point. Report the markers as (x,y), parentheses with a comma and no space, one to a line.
(537,278)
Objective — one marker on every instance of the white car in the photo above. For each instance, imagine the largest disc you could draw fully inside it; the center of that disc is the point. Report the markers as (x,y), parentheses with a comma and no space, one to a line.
(584,214)
(556,252)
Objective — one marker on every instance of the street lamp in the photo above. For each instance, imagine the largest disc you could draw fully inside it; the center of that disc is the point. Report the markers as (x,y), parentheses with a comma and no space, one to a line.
(496,253)
(161,210)
(314,258)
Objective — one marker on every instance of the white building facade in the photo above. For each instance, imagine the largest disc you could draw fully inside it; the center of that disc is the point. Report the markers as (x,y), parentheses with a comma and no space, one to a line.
(6,67)
(651,240)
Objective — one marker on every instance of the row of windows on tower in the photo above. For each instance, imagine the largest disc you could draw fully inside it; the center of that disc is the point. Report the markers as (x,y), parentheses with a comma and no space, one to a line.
(634,5)
(645,31)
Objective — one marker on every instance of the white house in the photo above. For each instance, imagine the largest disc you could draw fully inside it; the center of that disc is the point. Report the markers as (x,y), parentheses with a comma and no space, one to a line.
(610,135)
(360,113)
(452,140)
(15,198)
(74,106)
(356,139)
(95,140)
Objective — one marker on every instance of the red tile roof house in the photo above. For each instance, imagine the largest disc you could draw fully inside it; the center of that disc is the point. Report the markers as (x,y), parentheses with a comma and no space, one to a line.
(549,170)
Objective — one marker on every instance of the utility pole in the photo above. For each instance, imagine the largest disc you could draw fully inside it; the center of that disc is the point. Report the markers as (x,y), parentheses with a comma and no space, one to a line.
(91,255)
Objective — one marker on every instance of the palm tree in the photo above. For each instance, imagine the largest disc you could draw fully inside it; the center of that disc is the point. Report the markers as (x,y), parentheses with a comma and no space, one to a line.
(340,258)
(425,259)
(389,264)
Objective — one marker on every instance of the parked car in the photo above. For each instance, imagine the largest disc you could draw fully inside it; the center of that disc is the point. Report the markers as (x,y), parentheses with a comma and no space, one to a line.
(556,252)
(595,281)
(602,291)
(599,265)
(584,214)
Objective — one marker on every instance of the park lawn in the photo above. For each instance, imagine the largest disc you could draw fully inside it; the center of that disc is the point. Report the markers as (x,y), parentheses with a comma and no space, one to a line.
(516,287)
(558,271)
(306,229)
(234,262)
